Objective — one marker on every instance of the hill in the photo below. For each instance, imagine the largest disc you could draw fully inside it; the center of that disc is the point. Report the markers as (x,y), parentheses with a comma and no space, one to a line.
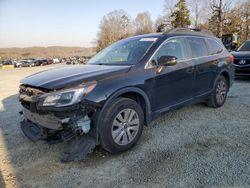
(44,52)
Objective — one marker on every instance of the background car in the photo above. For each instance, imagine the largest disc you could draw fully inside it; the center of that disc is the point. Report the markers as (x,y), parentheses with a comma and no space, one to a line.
(242,60)
(28,63)
(41,62)
(8,64)
(18,63)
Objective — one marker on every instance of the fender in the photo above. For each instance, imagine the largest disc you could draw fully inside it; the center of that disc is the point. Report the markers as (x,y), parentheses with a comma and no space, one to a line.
(116,94)
(230,73)
(135,90)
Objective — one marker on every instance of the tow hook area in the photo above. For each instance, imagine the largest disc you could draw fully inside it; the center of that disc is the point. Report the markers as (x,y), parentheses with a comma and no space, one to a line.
(78,150)
(33,131)
(78,139)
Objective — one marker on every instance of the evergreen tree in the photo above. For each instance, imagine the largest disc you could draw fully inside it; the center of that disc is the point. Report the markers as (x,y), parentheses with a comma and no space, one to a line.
(180,15)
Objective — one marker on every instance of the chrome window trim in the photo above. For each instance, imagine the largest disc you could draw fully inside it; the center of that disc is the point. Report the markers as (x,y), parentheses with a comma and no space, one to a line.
(148,66)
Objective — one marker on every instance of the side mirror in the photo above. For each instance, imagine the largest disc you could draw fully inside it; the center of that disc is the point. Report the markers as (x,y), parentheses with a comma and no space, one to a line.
(167,61)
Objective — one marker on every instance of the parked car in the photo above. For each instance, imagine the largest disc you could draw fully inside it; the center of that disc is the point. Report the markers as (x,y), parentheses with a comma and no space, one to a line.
(108,101)
(55,60)
(17,64)
(1,64)
(72,62)
(40,62)
(49,61)
(7,64)
(242,60)
(27,63)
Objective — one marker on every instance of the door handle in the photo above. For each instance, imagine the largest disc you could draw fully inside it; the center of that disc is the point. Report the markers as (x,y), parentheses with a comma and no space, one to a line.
(190,70)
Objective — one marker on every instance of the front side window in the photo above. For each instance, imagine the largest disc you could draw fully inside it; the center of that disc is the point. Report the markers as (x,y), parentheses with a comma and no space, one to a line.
(173,47)
(214,47)
(245,47)
(198,47)
(128,51)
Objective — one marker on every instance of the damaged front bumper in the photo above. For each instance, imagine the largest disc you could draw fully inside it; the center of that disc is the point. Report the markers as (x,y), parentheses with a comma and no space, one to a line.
(72,124)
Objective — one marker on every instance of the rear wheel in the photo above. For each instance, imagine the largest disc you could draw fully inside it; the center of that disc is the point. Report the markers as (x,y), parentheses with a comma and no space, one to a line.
(122,125)
(219,95)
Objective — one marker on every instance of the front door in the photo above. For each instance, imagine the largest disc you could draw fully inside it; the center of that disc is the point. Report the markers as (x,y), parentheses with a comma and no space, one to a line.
(175,84)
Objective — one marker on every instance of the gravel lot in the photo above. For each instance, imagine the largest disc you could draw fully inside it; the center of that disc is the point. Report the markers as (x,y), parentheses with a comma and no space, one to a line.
(195,146)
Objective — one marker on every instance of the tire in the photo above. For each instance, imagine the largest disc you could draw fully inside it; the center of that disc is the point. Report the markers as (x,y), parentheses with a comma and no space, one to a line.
(122,125)
(219,94)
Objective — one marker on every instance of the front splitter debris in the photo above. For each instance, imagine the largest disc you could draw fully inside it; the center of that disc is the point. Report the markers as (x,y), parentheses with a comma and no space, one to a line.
(78,150)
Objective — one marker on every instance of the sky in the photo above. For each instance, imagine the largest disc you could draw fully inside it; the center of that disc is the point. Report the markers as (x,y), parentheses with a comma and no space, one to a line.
(29,23)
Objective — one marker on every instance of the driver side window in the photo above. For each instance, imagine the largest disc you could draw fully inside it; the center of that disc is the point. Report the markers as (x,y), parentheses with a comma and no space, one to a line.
(174,47)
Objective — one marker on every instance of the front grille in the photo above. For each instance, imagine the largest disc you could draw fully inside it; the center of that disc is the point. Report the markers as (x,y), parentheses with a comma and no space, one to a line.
(242,70)
(242,61)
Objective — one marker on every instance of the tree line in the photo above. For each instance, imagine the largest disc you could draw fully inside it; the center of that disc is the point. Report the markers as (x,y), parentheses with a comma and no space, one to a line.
(219,16)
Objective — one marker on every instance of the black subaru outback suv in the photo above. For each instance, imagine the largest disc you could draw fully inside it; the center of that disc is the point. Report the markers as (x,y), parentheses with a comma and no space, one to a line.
(124,87)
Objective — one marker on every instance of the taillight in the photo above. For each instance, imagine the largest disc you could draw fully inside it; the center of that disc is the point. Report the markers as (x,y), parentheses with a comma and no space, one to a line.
(231,58)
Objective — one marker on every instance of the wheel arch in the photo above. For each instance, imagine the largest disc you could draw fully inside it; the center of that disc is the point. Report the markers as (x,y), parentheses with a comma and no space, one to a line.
(226,74)
(136,94)
(133,93)
(129,92)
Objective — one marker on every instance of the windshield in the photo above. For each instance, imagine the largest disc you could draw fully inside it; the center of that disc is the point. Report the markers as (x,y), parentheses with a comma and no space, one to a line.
(128,51)
(245,47)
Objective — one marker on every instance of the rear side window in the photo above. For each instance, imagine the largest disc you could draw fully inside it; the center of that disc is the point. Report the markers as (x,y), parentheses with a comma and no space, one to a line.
(198,47)
(214,47)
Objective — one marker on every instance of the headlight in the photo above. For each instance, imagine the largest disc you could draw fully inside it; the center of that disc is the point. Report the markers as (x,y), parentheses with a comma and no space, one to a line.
(66,97)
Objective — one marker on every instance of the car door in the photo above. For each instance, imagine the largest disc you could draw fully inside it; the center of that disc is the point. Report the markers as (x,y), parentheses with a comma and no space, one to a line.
(174,84)
(205,65)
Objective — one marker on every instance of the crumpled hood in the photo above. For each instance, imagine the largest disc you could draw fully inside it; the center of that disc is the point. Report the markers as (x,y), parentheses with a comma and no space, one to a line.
(241,54)
(72,75)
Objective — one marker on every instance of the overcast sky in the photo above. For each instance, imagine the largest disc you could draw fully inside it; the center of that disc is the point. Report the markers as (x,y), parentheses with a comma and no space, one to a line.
(26,23)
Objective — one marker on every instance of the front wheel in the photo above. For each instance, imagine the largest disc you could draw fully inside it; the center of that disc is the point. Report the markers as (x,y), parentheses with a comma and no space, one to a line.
(219,95)
(122,125)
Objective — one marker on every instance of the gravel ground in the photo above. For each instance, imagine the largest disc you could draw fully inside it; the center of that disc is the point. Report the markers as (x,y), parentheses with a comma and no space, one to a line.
(195,146)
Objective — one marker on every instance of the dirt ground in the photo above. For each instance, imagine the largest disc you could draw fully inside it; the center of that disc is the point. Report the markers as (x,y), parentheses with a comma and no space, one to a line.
(195,146)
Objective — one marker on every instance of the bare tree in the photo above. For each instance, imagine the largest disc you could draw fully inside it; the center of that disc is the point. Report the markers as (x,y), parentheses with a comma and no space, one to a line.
(143,23)
(199,12)
(245,16)
(114,26)
(219,8)
(196,9)
(163,22)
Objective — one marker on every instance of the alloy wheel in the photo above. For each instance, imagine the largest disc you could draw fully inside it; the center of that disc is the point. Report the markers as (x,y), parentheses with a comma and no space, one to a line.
(125,126)
(221,91)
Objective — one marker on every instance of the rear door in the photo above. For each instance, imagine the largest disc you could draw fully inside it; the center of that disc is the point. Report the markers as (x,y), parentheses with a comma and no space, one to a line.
(205,65)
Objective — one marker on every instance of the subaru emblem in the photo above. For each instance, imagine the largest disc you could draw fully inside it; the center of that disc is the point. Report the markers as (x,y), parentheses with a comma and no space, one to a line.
(242,62)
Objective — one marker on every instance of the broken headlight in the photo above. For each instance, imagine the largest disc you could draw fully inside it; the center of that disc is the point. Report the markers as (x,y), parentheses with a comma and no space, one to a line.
(65,97)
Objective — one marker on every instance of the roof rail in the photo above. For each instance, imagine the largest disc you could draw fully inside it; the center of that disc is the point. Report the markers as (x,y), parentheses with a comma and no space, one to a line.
(183,30)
